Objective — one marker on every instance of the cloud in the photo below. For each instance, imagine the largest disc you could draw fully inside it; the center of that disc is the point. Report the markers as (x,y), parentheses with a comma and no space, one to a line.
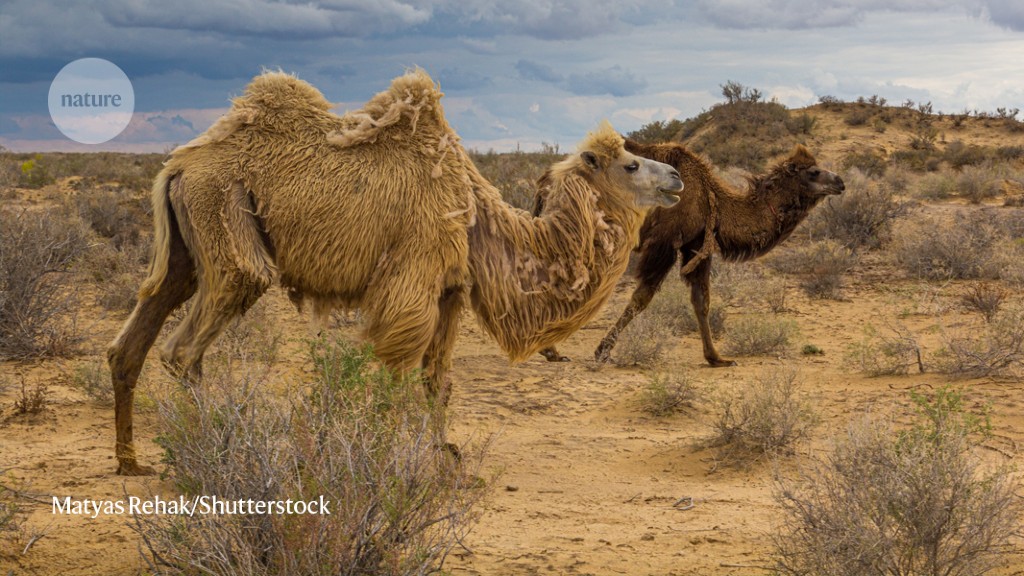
(812,14)
(616,81)
(456,79)
(529,70)
(1006,13)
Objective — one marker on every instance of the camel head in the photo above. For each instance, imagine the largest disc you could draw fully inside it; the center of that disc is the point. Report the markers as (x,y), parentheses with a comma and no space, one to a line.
(816,182)
(603,159)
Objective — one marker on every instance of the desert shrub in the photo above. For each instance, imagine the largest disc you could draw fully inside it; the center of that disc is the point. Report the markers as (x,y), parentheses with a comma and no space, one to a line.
(858,116)
(867,160)
(900,501)
(977,183)
(995,350)
(819,265)
(93,378)
(892,352)
(357,436)
(747,285)
(658,131)
(933,249)
(861,217)
(671,308)
(37,290)
(643,342)
(985,298)
(34,173)
(253,336)
(958,154)
(759,335)
(935,187)
(666,394)
(516,174)
(10,510)
(763,416)
(105,212)
(31,399)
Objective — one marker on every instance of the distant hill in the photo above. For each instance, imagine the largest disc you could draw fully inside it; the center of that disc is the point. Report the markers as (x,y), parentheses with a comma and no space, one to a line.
(747,131)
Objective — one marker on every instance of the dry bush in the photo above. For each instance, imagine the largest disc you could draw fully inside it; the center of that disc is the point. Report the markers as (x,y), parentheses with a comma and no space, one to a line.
(671,308)
(900,502)
(31,400)
(93,378)
(104,211)
(357,436)
(935,186)
(820,266)
(643,342)
(516,174)
(37,290)
(748,285)
(934,249)
(996,350)
(667,394)
(10,511)
(893,352)
(977,183)
(958,154)
(861,217)
(760,335)
(985,298)
(764,416)
(254,336)
(866,161)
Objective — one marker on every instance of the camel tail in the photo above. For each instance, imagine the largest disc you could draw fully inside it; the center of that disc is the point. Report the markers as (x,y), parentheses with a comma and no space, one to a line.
(163,220)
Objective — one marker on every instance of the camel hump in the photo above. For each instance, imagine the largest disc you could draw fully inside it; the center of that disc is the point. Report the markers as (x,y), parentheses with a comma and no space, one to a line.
(269,94)
(280,91)
(414,97)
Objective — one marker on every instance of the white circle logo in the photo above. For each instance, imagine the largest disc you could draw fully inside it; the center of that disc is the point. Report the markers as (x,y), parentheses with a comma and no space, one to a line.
(91,100)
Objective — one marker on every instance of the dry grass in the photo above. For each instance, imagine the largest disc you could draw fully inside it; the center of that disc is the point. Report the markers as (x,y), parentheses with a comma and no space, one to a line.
(31,399)
(900,501)
(766,416)
(93,378)
(355,435)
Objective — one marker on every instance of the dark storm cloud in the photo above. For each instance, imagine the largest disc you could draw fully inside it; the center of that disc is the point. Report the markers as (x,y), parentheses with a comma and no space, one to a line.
(616,81)
(1006,13)
(529,70)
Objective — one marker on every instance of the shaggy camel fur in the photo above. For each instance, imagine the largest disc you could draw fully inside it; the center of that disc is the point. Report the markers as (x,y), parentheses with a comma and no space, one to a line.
(379,209)
(712,216)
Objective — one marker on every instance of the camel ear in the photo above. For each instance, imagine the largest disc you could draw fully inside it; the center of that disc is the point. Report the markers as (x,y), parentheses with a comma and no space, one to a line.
(590,159)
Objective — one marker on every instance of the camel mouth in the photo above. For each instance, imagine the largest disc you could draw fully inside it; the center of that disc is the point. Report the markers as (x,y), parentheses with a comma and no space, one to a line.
(668,198)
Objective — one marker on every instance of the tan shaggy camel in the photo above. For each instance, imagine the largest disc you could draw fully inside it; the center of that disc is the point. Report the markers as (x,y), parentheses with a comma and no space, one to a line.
(379,209)
(739,225)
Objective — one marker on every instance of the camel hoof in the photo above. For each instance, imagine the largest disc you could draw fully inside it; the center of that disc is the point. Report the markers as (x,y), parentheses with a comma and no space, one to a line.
(602,356)
(552,355)
(133,468)
(721,363)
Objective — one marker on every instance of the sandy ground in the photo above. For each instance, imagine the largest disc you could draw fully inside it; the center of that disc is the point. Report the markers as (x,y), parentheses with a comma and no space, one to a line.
(586,482)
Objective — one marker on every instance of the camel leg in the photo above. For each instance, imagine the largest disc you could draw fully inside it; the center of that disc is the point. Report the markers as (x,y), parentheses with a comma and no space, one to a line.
(401,323)
(655,262)
(700,297)
(127,352)
(212,310)
(438,358)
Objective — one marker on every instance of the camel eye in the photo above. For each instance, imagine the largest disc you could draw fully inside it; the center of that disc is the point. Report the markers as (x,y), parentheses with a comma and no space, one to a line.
(633,167)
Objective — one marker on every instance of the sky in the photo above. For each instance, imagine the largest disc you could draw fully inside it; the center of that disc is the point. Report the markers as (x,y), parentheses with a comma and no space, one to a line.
(516,73)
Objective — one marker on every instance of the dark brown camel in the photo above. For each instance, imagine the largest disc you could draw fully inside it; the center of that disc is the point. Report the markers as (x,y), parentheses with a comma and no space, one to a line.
(743,226)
